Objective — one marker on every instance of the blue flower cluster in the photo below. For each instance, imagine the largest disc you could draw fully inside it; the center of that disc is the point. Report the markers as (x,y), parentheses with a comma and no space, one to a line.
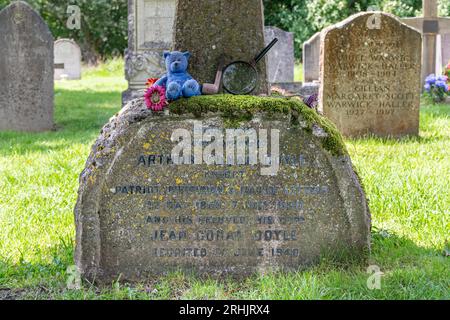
(439,82)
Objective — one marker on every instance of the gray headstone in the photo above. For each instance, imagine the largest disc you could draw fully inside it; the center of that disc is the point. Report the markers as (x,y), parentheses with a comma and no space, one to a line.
(311,59)
(371,75)
(221,28)
(26,70)
(150,32)
(138,214)
(445,48)
(280,59)
(67,60)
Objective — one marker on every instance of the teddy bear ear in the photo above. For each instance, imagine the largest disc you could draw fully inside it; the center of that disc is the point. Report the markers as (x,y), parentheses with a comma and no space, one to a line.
(166,54)
(187,54)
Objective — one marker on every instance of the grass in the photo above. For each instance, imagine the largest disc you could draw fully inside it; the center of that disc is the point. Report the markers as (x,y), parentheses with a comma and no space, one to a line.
(406,182)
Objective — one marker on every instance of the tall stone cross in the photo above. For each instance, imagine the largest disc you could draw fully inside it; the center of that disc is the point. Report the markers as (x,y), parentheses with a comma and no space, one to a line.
(220,29)
(430,25)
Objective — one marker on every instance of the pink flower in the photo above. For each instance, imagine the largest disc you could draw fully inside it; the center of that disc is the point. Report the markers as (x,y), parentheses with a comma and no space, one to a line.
(155,98)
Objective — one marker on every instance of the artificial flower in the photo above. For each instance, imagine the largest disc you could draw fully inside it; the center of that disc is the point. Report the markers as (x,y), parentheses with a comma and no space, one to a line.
(155,98)
(151,81)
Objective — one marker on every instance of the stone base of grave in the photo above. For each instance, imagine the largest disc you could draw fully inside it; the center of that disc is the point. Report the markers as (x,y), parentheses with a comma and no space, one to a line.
(284,202)
(131,94)
(303,89)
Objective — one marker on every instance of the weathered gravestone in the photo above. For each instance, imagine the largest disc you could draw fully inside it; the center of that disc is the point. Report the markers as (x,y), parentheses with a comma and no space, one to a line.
(445,50)
(210,30)
(280,59)
(26,70)
(370,75)
(150,32)
(311,59)
(282,202)
(67,60)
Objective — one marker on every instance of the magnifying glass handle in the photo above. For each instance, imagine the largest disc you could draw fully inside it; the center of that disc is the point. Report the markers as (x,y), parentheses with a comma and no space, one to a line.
(265,50)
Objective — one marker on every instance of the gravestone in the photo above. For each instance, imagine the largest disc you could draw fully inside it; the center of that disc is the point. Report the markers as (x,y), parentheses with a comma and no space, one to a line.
(311,59)
(280,59)
(26,70)
(370,75)
(150,32)
(67,60)
(170,191)
(445,49)
(210,30)
(430,25)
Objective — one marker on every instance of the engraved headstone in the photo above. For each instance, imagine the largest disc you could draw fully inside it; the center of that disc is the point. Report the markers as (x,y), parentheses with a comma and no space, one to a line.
(311,59)
(26,70)
(210,30)
(370,75)
(281,203)
(67,60)
(150,32)
(280,59)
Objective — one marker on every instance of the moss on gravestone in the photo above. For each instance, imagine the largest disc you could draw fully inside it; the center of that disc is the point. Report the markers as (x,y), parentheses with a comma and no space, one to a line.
(236,109)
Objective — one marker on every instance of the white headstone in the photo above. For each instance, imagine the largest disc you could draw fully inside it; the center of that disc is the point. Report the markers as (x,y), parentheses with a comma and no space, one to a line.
(311,57)
(280,59)
(67,60)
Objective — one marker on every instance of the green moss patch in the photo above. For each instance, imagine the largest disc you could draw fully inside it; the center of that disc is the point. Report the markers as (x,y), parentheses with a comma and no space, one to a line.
(236,109)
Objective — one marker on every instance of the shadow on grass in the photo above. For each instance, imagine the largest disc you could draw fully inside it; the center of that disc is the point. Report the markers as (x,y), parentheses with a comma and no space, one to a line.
(79,116)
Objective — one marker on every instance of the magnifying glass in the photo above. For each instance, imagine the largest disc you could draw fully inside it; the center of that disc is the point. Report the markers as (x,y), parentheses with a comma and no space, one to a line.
(241,77)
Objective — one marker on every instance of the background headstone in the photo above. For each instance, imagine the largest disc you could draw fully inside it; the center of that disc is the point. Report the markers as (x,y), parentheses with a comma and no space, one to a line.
(150,32)
(211,29)
(311,59)
(445,49)
(280,59)
(26,70)
(139,215)
(67,54)
(370,75)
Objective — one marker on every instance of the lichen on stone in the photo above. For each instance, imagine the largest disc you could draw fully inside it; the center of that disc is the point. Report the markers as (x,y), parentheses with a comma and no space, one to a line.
(236,109)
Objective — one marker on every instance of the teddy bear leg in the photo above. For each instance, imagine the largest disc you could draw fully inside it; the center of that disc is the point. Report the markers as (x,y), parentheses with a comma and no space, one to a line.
(191,88)
(173,91)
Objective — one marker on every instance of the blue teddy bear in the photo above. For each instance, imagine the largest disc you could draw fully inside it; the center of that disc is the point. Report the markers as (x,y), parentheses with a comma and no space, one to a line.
(177,81)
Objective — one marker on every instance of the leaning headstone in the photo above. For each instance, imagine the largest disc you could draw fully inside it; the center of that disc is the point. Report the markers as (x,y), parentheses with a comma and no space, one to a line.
(150,32)
(370,75)
(280,59)
(311,59)
(26,70)
(67,60)
(210,30)
(166,192)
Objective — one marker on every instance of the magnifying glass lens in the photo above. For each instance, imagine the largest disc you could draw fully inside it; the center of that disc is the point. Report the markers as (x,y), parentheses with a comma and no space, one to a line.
(240,78)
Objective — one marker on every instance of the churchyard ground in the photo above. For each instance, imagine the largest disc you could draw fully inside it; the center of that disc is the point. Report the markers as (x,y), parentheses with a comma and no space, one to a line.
(406,182)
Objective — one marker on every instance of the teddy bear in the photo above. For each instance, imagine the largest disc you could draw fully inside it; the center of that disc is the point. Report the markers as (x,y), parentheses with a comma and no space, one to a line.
(177,81)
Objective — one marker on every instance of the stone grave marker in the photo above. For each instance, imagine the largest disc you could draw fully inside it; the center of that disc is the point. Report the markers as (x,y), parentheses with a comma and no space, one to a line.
(445,49)
(370,75)
(280,60)
(311,59)
(165,192)
(212,29)
(150,32)
(431,25)
(67,60)
(26,70)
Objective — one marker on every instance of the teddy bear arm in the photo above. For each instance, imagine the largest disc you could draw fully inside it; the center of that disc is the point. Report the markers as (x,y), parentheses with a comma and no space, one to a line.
(162,81)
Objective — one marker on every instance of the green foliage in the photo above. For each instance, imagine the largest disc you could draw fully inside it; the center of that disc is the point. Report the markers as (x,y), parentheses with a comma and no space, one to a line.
(306,17)
(104,27)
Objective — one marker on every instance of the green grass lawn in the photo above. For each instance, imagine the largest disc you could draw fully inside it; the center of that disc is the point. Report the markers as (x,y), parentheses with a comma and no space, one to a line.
(406,181)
